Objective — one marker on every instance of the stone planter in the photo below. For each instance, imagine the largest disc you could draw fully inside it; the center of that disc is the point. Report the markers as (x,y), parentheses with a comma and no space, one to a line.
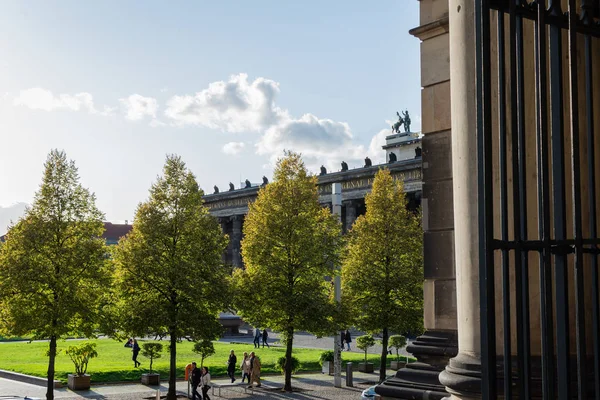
(78,382)
(396,365)
(328,367)
(365,367)
(151,379)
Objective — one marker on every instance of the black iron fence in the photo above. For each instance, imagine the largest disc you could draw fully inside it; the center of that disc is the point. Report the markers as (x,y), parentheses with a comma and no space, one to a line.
(538,131)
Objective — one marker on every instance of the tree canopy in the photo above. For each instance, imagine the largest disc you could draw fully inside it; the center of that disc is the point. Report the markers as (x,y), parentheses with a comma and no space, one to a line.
(171,280)
(291,244)
(382,270)
(53,266)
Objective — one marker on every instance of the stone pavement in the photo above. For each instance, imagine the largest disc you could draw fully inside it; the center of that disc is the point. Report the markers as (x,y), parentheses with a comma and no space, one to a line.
(308,386)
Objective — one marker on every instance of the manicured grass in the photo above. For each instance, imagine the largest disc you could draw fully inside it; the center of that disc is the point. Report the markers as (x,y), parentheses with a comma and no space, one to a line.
(114,361)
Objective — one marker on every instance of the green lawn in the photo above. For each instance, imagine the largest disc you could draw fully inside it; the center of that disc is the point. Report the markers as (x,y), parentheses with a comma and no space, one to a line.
(114,361)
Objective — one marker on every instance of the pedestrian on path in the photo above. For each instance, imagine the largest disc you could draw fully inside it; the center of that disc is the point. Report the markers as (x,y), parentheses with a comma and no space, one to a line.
(205,383)
(257,335)
(348,339)
(254,370)
(343,335)
(135,348)
(245,367)
(196,378)
(265,335)
(231,363)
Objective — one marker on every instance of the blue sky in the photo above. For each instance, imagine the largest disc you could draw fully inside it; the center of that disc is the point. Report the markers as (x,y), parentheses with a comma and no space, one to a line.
(227,85)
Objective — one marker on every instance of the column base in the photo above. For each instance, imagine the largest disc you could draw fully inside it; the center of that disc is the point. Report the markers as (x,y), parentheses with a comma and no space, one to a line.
(462,376)
(420,380)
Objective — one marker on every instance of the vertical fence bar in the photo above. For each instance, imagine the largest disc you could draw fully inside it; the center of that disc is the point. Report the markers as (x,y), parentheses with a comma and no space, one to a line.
(576,197)
(504,206)
(485,203)
(546,312)
(587,9)
(558,206)
(516,115)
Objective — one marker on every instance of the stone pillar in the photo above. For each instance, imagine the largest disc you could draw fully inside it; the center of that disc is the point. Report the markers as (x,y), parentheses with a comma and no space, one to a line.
(236,241)
(439,342)
(462,376)
(351,207)
(226,254)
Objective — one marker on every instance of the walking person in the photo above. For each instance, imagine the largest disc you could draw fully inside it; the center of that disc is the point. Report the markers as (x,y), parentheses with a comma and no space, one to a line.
(205,380)
(343,335)
(257,336)
(135,348)
(245,367)
(254,370)
(231,363)
(196,378)
(265,335)
(348,339)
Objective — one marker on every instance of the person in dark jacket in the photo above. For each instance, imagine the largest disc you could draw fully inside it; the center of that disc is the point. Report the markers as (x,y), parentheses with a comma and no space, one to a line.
(348,339)
(257,338)
(342,336)
(231,364)
(135,348)
(196,375)
(265,335)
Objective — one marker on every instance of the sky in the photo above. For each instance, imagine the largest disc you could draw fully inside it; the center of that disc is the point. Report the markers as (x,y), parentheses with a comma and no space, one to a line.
(226,85)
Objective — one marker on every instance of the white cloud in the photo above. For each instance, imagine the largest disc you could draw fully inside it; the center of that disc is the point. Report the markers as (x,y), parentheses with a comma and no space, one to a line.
(42,99)
(233,148)
(376,153)
(137,107)
(155,123)
(233,106)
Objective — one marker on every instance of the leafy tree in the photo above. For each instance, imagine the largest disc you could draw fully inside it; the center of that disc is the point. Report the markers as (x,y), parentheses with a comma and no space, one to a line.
(152,351)
(291,243)
(205,349)
(171,280)
(382,271)
(53,269)
(364,342)
(397,342)
(81,355)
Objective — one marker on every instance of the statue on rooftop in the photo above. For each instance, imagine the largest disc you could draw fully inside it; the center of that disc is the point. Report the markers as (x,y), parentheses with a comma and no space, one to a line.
(406,121)
(368,162)
(418,152)
(397,125)
(344,166)
(393,158)
(216,189)
(323,170)
(231,187)
(248,184)
(265,181)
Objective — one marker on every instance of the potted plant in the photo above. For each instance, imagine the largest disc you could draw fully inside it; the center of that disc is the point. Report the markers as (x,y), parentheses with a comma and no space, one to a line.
(152,351)
(205,349)
(81,355)
(326,361)
(397,342)
(363,343)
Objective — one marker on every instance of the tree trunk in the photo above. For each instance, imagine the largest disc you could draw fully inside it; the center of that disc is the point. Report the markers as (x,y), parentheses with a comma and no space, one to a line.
(384,351)
(171,394)
(51,359)
(288,360)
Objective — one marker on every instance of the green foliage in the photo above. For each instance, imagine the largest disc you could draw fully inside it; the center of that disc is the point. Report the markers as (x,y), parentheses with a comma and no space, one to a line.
(54,273)
(397,342)
(205,349)
(81,355)
(281,364)
(364,342)
(290,244)
(169,266)
(152,351)
(382,271)
(327,355)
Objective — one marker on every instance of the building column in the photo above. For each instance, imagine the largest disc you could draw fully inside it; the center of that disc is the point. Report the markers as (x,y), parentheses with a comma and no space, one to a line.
(223,222)
(438,344)
(236,241)
(462,376)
